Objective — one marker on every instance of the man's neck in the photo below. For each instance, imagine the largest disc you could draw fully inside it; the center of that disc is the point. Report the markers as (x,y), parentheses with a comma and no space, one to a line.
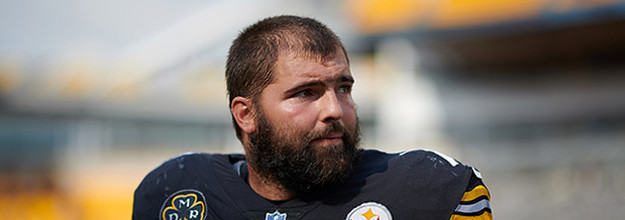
(268,189)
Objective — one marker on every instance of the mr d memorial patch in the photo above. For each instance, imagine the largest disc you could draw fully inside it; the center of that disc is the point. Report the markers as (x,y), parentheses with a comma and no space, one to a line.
(186,204)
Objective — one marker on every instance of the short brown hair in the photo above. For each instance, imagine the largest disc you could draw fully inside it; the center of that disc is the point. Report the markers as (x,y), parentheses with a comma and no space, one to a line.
(253,54)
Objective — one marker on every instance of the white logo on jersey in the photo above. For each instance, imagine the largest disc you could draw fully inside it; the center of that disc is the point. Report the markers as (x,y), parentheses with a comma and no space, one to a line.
(369,211)
(275,216)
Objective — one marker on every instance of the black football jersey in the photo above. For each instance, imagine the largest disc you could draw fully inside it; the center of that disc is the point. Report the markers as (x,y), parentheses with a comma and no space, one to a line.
(411,185)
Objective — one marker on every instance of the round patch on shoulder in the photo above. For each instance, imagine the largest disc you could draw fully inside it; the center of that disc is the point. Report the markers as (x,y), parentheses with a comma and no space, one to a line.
(187,204)
(370,211)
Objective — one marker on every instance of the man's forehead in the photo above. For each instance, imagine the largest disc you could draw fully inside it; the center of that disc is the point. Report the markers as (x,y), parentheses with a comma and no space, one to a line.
(302,62)
(302,56)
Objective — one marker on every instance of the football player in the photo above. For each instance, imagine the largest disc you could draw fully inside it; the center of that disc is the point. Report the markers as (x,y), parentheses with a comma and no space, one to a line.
(290,93)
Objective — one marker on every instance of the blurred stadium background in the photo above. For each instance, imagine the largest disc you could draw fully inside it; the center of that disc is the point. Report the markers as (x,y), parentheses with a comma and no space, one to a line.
(95,94)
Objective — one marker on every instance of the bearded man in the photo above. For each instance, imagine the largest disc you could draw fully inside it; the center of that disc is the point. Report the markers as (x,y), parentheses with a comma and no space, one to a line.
(289,86)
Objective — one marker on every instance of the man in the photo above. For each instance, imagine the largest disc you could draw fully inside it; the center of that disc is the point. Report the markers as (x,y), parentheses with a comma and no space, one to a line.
(289,86)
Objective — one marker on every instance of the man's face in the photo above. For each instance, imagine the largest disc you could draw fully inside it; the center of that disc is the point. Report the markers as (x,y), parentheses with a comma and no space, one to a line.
(308,131)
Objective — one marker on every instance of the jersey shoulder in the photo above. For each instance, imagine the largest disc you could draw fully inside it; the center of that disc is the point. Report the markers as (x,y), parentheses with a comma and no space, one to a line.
(187,174)
(470,196)
(429,162)
(456,185)
(174,167)
(421,171)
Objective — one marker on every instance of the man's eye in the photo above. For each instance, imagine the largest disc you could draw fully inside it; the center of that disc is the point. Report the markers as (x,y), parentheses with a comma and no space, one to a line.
(345,89)
(304,93)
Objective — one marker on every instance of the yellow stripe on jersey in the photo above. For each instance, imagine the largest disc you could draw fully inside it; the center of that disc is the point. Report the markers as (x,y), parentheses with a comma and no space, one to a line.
(475,193)
(483,216)
(471,207)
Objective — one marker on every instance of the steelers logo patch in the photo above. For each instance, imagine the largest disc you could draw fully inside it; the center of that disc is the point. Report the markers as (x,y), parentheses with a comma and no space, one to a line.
(186,204)
(370,211)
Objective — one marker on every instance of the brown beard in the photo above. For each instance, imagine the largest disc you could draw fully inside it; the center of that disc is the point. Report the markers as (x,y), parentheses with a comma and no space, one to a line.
(290,158)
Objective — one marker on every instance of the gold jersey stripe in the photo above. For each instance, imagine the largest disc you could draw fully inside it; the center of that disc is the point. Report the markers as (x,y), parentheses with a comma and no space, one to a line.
(475,192)
(483,216)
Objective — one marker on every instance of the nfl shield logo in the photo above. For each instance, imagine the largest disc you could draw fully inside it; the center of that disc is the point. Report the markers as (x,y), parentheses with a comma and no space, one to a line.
(275,216)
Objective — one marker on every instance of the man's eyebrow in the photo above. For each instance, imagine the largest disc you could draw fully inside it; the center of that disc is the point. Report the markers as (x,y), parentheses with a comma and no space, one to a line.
(304,85)
(344,78)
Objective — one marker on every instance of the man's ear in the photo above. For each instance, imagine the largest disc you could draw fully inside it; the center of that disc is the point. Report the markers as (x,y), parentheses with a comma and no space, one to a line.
(243,114)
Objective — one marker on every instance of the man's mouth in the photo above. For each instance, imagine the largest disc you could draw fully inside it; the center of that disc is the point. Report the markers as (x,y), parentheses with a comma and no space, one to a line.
(334,138)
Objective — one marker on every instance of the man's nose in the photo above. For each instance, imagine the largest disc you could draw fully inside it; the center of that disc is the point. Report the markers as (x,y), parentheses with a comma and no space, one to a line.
(331,109)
